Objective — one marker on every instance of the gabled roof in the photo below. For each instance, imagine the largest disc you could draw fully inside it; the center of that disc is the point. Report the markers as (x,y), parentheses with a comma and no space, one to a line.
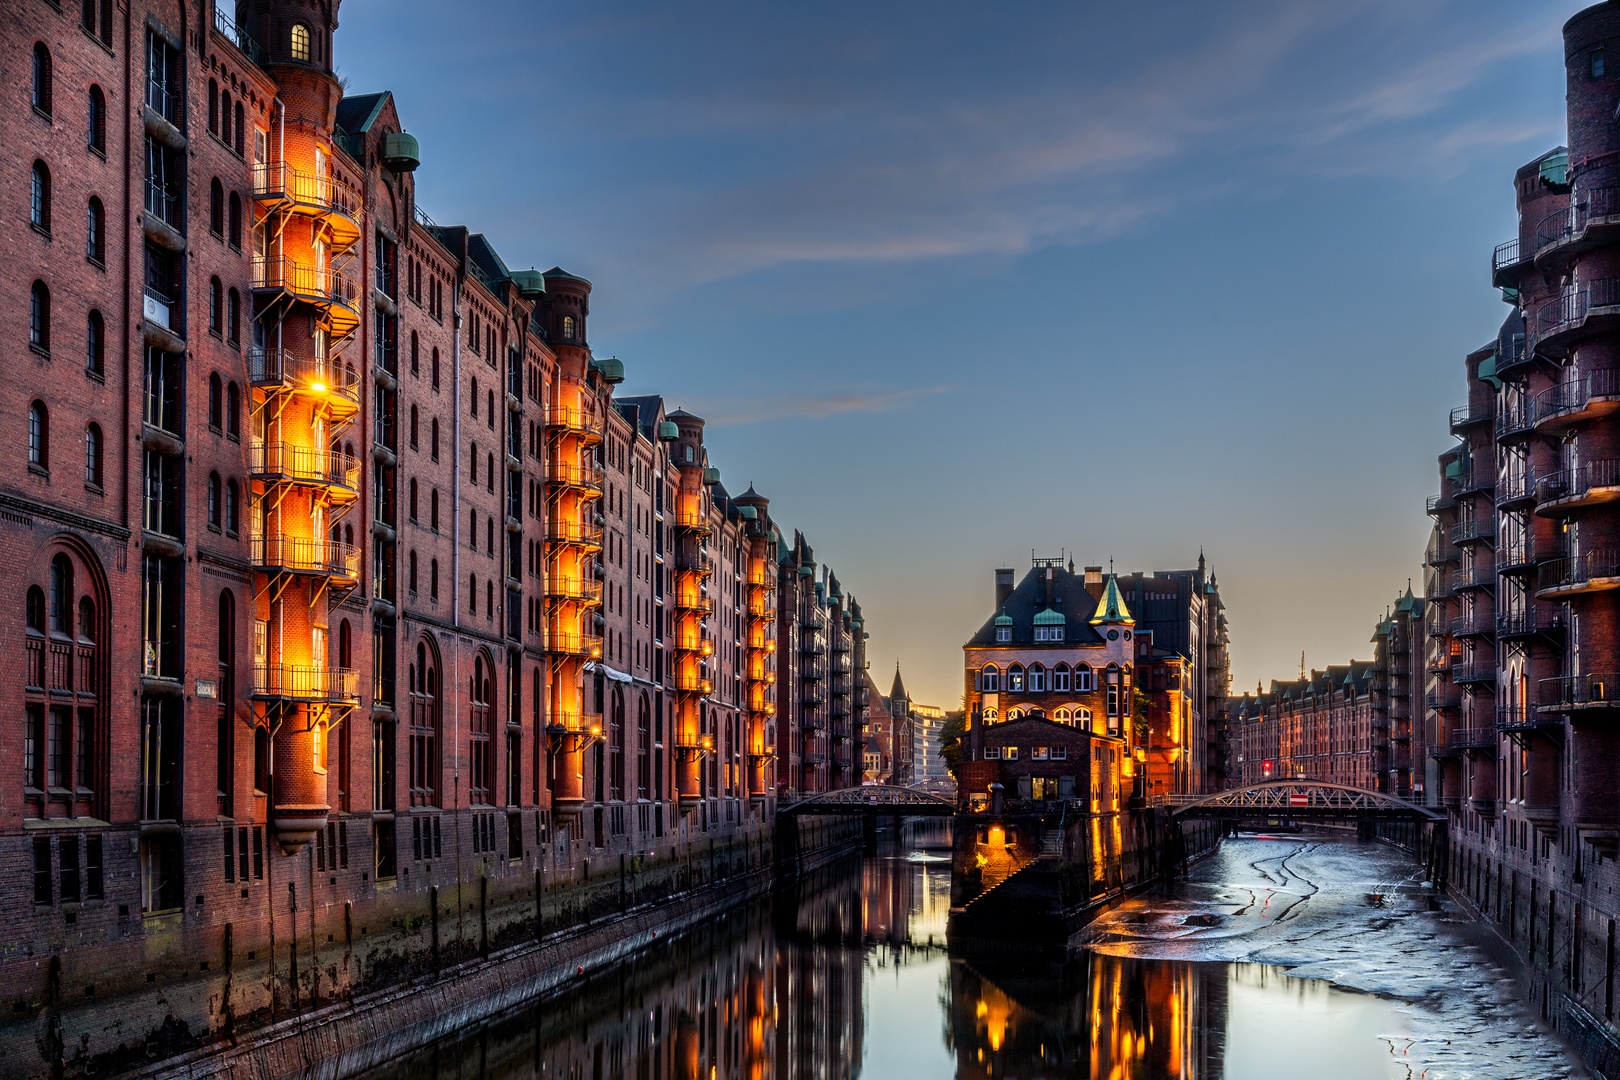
(1069,600)
(1111,608)
(357,112)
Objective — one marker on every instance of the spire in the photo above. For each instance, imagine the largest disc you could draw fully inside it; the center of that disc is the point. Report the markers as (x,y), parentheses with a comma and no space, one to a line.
(1111,608)
(898,690)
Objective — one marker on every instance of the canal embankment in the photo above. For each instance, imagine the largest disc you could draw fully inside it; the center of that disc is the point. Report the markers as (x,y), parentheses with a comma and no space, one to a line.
(444,967)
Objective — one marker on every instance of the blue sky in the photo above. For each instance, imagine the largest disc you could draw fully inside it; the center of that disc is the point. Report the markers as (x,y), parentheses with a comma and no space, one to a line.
(955,281)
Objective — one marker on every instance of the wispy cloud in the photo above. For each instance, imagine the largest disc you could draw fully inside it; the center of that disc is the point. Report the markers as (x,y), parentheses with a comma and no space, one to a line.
(815,406)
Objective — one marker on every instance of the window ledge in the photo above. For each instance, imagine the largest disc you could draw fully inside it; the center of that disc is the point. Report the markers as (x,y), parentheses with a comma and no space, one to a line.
(39,470)
(96,375)
(95,262)
(42,230)
(39,112)
(43,354)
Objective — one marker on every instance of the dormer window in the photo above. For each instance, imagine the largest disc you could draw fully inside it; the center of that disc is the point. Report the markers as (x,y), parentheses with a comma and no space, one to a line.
(300,43)
(1049,633)
(1003,633)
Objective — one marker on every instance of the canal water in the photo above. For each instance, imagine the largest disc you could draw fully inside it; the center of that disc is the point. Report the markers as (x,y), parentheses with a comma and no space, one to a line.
(1295,957)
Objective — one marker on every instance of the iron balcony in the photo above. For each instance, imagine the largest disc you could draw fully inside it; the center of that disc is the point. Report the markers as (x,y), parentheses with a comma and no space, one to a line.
(1474,531)
(1572,693)
(1506,263)
(1520,625)
(1473,674)
(1464,417)
(1474,738)
(1588,396)
(1591,218)
(1585,308)
(1595,571)
(1475,577)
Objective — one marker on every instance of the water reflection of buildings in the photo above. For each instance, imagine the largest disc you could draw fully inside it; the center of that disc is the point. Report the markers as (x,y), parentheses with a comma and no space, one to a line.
(1098,1018)
(773,993)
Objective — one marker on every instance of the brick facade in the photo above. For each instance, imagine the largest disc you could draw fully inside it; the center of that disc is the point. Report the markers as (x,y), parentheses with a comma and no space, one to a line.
(343,576)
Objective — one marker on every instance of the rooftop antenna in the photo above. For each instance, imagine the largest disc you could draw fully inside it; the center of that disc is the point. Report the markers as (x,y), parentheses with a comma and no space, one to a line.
(1302,663)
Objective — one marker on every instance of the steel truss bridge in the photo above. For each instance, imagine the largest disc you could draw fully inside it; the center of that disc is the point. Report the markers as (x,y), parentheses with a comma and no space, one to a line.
(874,800)
(1300,800)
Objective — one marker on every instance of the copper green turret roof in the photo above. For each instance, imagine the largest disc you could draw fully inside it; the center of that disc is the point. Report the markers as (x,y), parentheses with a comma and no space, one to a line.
(1111,608)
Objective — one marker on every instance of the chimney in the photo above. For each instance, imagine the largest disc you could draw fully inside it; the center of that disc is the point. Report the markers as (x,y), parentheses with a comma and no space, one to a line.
(1004,587)
(1048,586)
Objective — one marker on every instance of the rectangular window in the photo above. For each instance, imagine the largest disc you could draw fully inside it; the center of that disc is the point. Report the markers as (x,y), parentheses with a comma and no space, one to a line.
(42,870)
(1113,701)
(1009,753)
(258,852)
(92,868)
(68,859)
(992,753)
(33,748)
(1060,753)
(230,852)
(1037,753)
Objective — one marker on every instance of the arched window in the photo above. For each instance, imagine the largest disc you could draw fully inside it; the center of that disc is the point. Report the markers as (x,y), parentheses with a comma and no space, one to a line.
(411,576)
(568,328)
(92,455)
(433,579)
(423,684)
(39,197)
(1037,679)
(95,332)
(225,118)
(433,434)
(474,403)
(87,619)
(414,428)
(433,510)
(233,411)
(990,679)
(216,499)
(300,43)
(96,121)
(234,221)
(36,609)
(232,511)
(1015,679)
(481,772)
(216,414)
(416,360)
(1062,716)
(489,600)
(472,593)
(1115,705)
(233,317)
(489,473)
(39,317)
(216,308)
(1082,679)
(1060,678)
(61,598)
(434,370)
(42,78)
(413,498)
(990,714)
(1014,713)
(489,535)
(216,208)
(241,128)
(213,107)
(94,232)
(39,436)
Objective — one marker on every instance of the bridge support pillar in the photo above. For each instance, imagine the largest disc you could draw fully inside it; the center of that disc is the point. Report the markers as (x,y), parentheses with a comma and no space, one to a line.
(869,831)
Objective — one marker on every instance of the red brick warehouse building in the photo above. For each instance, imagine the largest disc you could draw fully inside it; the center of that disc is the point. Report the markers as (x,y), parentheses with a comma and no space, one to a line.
(341,575)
